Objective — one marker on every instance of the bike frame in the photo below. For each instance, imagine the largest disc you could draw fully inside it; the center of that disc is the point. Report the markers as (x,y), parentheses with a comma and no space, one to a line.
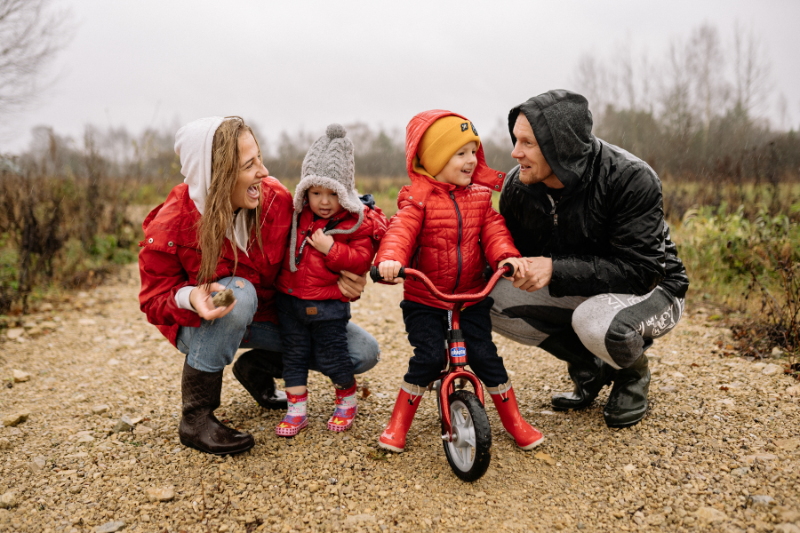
(456,347)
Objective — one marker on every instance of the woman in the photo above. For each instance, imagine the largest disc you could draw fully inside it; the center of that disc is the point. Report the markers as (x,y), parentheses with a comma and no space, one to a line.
(239,217)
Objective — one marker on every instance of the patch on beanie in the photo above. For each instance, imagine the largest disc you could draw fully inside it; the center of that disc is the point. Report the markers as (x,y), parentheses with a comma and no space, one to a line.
(474,130)
(464,126)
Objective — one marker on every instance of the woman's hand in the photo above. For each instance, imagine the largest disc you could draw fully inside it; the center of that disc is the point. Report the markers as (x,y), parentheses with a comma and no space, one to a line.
(540,270)
(200,298)
(389,270)
(351,285)
(323,243)
(520,266)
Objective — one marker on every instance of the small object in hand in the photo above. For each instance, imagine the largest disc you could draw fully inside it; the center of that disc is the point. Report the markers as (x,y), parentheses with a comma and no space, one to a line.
(223,298)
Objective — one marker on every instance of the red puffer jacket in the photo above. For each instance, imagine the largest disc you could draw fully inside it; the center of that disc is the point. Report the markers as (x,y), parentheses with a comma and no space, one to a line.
(170,257)
(444,230)
(317,274)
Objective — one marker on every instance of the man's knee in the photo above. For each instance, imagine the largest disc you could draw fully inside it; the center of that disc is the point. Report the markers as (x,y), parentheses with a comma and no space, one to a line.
(624,343)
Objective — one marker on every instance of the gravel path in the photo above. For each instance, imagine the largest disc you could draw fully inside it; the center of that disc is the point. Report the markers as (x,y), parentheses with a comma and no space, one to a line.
(719,450)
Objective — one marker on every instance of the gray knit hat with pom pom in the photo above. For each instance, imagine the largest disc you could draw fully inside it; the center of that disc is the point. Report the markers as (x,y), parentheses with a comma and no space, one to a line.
(329,163)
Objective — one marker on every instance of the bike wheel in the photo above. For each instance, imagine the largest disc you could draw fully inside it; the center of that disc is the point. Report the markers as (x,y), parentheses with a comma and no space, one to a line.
(469,453)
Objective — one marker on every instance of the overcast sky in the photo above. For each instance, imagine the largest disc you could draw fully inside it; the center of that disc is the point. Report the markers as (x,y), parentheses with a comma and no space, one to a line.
(304,64)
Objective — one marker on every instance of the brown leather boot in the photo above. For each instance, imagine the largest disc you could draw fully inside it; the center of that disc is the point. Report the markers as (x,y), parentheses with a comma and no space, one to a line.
(256,370)
(199,428)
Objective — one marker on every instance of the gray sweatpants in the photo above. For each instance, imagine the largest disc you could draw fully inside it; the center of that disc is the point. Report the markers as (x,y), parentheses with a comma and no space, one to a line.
(617,328)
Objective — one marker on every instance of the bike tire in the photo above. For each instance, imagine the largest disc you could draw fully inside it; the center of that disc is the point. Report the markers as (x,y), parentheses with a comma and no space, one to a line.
(468,458)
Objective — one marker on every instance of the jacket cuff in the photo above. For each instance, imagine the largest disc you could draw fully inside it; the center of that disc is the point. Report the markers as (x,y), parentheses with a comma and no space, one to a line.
(182,298)
(505,256)
(333,255)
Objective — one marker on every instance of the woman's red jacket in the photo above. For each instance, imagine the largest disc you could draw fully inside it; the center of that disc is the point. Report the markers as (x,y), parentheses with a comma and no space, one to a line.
(445,231)
(170,256)
(317,274)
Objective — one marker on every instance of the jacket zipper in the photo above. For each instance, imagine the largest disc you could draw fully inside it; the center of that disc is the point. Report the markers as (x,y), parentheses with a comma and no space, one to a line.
(555,222)
(458,213)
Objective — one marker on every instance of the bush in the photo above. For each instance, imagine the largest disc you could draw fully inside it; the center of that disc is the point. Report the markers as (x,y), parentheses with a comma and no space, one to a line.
(753,264)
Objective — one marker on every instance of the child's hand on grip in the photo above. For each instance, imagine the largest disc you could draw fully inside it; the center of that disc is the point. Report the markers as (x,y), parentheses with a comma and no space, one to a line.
(519,264)
(389,270)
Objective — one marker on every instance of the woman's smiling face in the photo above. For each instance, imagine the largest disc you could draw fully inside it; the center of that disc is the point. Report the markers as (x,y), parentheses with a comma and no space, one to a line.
(247,191)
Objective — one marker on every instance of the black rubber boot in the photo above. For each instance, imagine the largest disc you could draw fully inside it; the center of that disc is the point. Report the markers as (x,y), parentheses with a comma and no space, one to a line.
(199,428)
(627,403)
(256,370)
(588,373)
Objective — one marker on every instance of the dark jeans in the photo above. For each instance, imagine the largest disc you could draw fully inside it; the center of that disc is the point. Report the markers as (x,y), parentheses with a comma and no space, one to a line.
(427,326)
(317,327)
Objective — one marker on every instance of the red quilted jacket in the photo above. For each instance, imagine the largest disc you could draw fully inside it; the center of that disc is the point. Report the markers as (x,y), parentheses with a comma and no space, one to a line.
(317,274)
(170,257)
(444,230)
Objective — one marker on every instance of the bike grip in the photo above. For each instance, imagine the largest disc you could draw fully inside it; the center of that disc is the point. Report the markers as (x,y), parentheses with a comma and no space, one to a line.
(509,269)
(374,274)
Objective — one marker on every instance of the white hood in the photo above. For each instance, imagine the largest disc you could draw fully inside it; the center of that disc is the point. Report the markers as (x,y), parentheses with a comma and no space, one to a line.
(193,144)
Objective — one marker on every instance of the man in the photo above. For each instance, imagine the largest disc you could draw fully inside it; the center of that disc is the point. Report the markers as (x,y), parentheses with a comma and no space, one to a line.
(604,277)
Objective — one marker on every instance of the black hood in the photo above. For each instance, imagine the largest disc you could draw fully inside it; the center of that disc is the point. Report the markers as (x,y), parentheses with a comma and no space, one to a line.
(562,124)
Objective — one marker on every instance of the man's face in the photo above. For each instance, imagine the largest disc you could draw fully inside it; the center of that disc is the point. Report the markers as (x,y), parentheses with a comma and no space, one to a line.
(533,166)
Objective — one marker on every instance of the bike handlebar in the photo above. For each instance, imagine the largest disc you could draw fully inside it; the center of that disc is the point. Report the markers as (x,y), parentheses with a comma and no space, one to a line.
(507,270)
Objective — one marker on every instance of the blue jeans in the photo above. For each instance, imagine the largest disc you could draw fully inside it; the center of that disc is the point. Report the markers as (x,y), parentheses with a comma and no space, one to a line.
(315,329)
(213,345)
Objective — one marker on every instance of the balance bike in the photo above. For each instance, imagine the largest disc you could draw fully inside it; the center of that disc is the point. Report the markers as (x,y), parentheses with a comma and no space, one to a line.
(466,434)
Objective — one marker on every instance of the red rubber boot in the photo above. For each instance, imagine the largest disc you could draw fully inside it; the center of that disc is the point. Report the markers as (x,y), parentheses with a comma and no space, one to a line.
(526,436)
(393,437)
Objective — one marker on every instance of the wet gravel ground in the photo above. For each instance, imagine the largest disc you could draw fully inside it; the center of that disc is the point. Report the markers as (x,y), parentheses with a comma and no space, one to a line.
(718,451)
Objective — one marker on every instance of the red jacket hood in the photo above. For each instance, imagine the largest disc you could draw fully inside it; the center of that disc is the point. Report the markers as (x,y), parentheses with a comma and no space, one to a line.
(422,185)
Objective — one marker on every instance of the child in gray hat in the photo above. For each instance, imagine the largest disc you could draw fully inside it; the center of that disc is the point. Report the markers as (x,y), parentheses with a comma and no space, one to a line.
(332,230)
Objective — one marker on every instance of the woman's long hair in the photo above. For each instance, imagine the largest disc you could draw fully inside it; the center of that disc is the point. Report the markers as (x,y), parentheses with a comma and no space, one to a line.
(219,217)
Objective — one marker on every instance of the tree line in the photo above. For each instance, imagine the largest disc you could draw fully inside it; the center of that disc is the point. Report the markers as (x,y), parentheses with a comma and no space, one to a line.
(698,112)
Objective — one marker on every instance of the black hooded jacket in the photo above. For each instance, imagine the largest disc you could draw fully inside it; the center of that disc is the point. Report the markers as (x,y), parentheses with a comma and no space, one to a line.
(607,233)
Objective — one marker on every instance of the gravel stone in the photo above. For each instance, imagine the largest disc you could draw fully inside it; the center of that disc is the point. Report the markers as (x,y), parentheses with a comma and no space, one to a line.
(161,494)
(8,500)
(20,376)
(760,499)
(37,464)
(110,527)
(15,333)
(15,419)
(121,425)
(100,409)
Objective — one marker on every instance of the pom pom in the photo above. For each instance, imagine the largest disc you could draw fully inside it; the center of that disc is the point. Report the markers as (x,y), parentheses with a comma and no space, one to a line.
(335,131)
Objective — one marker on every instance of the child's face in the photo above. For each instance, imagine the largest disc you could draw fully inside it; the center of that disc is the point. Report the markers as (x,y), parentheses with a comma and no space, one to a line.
(459,169)
(323,202)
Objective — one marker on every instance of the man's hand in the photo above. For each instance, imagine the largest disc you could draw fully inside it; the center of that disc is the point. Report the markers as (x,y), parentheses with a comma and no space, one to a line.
(520,266)
(540,270)
(200,298)
(323,243)
(389,270)
(351,285)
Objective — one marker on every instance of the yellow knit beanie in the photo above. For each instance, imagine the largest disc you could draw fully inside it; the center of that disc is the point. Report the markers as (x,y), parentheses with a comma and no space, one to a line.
(442,139)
